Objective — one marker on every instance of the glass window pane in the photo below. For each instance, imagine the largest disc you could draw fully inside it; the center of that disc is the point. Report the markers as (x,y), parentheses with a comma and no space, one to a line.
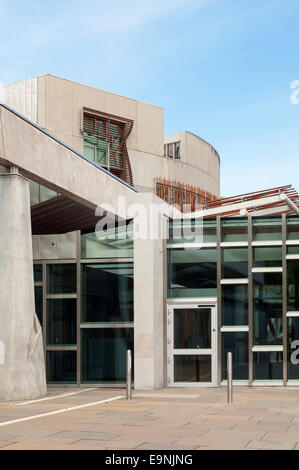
(293,284)
(266,229)
(267,365)
(234,305)
(178,150)
(170,150)
(234,263)
(192,328)
(62,366)
(293,228)
(104,354)
(192,368)
(234,230)
(89,152)
(111,243)
(38,273)
(237,344)
(293,249)
(61,321)
(61,278)
(267,308)
(293,351)
(192,273)
(189,231)
(38,294)
(46,194)
(267,256)
(107,292)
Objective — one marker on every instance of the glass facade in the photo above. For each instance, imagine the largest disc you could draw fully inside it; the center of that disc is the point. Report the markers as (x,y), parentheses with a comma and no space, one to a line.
(234,263)
(93,297)
(201,231)
(104,354)
(267,308)
(234,305)
(61,321)
(234,230)
(111,243)
(88,304)
(107,292)
(267,257)
(237,344)
(61,367)
(61,278)
(293,228)
(266,229)
(192,272)
(257,293)
(293,285)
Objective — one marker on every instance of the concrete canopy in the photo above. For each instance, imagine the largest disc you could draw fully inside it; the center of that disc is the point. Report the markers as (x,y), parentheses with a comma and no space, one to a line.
(41,157)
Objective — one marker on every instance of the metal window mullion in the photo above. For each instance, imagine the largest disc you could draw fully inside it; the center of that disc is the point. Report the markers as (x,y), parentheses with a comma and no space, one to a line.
(44,270)
(284,301)
(219,300)
(250,303)
(78,256)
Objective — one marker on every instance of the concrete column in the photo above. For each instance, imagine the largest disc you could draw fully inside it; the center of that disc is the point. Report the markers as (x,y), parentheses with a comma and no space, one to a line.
(22,368)
(148,300)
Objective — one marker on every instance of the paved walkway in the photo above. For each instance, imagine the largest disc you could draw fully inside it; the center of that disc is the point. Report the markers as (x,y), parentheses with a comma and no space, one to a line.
(175,419)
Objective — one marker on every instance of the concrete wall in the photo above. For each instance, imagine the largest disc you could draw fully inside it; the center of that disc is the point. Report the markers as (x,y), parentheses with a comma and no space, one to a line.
(199,163)
(56,105)
(22,368)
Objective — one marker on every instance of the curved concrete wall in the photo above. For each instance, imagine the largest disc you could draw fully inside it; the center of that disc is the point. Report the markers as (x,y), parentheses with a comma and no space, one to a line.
(56,104)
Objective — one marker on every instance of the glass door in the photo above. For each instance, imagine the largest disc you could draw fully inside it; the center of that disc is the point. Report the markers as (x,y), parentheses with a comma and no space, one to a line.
(192,345)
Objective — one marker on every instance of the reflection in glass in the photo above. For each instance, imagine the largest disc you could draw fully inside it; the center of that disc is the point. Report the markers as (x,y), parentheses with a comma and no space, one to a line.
(61,321)
(293,249)
(293,347)
(192,272)
(61,366)
(189,231)
(192,368)
(104,354)
(266,229)
(234,263)
(38,294)
(192,328)
(38,272)
(267,365)
(107,292)
(234,305)
(267,257)
(293,228)
(237,344)
(234,230)
(267,308)
(293,284)
(61,279)
(111,243)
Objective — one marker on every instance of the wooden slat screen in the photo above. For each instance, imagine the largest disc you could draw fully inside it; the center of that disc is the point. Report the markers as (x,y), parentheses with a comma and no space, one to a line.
(113,132)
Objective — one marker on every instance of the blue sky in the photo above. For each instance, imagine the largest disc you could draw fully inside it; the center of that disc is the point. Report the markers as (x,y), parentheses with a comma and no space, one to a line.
(220,68)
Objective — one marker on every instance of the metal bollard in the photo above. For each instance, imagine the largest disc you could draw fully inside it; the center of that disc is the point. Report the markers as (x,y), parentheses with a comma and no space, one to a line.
(129,375)
(229,377)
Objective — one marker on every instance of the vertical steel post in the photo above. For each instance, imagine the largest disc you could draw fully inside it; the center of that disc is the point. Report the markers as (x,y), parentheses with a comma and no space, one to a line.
(229,377)
(129,375)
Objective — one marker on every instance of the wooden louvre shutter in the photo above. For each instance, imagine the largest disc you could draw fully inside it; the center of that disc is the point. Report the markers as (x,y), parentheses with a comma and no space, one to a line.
(113,132)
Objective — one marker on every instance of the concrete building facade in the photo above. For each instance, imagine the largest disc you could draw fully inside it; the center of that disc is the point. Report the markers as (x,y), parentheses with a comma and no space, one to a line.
(178,303)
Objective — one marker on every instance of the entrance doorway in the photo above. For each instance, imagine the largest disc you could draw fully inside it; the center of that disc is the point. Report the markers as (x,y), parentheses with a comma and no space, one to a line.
(192,345)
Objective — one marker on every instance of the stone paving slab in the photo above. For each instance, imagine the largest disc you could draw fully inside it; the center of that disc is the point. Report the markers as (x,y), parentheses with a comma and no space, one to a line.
(260,418)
